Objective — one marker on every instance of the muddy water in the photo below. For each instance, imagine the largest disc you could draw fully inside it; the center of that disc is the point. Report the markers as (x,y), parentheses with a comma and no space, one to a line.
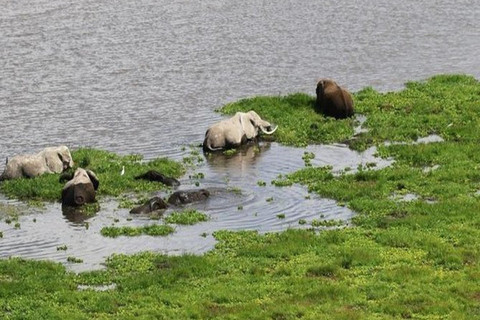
(145,76)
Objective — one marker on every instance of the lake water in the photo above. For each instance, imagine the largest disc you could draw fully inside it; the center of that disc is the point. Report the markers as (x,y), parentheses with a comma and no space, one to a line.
(145,77)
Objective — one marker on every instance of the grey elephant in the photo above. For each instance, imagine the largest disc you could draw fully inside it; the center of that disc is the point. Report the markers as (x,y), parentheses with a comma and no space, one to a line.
(333,100)
(235,131)
(80,189)
(49,160)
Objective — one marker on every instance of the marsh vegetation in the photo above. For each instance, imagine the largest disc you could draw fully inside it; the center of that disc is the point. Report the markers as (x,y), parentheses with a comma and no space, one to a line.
(399,259)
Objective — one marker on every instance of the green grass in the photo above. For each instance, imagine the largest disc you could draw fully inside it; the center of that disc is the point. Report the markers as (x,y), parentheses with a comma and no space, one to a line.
(106,165)
(187,217)
(400,260)
(151,230)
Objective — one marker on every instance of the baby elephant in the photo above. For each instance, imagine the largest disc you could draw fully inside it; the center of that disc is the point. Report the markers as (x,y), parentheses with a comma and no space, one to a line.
(80,189)
(333,100)
(49,160)
(233,132)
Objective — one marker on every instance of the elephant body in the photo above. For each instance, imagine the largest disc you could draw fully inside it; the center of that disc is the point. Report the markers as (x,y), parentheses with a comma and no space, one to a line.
(80,189)
(188,196)
(49,160)
(153,175)
(235,131)
(333,100)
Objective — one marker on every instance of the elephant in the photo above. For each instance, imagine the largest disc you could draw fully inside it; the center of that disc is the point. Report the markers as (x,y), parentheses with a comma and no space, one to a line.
(154,204)
(153,175)
(49,160)
(188,196)
(235,131)
(333,100)
(80,189)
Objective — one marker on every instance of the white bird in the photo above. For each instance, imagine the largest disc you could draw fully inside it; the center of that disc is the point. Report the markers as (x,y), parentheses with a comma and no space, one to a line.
(123,171)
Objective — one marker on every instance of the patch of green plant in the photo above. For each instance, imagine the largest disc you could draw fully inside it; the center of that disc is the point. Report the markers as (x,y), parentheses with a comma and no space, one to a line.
(151,230)
(74,260)
(326,223)
(187,217)
(107,166)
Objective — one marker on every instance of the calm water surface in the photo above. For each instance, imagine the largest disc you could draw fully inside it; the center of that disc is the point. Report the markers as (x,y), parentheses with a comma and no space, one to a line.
(145,77)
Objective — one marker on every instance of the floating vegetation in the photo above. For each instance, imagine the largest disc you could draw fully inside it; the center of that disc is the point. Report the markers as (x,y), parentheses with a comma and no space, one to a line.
(151,230)
(187,217)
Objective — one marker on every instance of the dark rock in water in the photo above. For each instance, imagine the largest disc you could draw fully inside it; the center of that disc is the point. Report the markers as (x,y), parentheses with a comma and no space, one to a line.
(188,196)
(153,175)
(154,204)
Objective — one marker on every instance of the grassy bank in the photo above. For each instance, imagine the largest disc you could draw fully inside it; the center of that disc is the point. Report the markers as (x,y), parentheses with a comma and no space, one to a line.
(402,259)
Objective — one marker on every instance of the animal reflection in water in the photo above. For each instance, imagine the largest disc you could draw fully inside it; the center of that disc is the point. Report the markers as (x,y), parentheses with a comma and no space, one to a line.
(241,160)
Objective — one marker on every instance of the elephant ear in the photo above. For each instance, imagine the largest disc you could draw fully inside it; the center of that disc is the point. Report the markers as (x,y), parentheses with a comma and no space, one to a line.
(248,126)
(93,178)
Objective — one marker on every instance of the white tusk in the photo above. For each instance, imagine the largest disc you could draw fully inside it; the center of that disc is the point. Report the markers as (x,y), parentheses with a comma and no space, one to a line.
(268,132)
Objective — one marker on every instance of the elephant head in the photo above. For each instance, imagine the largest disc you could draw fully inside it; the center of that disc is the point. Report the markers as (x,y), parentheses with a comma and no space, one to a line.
(80,189)
(154,204)
(57,159)
(231,133)
(251,123)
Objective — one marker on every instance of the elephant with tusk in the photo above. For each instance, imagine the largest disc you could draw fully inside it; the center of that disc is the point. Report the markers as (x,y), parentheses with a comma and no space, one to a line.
(80,189)
(49,160)
(333,100)
(233,132)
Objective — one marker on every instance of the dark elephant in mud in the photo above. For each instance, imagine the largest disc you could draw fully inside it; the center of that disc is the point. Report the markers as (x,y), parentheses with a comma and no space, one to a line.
(333,100)
(48,160)
(235,131)
(81,189)
(153,175)
(188,196)
(177,198)
(153,204)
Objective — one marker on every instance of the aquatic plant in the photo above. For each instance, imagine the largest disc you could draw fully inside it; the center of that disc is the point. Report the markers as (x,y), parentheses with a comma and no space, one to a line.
(151,230)
(186,217)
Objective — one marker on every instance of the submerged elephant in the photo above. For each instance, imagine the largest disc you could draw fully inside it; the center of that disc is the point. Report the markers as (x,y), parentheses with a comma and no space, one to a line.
(233,132)
(154,204)
(49,160)
(153,175)
(333,100)
(188,196)
(80,189)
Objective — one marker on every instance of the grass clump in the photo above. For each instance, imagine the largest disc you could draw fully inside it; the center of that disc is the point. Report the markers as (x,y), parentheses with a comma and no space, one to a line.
(151,230)
(187,217)
(106,165)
